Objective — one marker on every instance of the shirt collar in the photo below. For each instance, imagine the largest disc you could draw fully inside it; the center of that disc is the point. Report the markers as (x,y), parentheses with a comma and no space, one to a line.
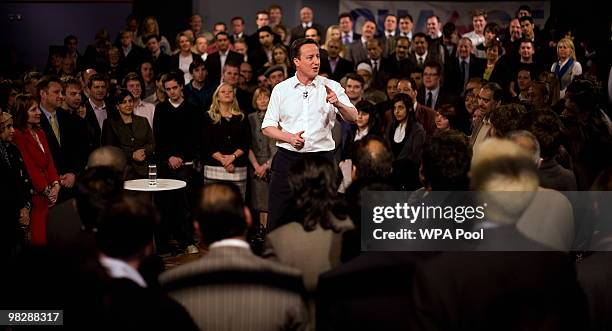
(93,105)
(230,243)
(296,82)
(119,269)
(45,111)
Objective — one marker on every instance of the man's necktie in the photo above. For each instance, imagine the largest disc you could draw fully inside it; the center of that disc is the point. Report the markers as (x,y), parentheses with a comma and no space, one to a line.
(420,60)
(347,39)
(55,127)
(374,67)
(429,101)
(464,72)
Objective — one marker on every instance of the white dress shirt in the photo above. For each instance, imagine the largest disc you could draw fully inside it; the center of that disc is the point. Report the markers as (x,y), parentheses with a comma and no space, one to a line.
(223,58)
(475,38)
(400,133)
(100,112)
(119,269)
(295,107)
(184,62)
(146,110)
(230,243)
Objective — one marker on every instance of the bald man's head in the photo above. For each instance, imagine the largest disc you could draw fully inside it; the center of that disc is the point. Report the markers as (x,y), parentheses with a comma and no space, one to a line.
(372,159)
(108,156)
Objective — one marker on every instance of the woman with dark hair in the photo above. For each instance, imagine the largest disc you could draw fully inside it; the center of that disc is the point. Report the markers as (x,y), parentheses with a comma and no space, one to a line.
(131,133)
(226,140)
(32,143)
(280,56)
(406,137)
(368,122)
(445,117)
(312,243)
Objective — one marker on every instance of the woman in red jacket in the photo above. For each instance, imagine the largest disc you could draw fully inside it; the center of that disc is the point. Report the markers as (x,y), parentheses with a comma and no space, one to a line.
(32,143)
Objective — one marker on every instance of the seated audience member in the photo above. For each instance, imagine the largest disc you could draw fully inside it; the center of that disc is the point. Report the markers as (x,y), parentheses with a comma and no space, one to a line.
(503,290)
(132,134)
(594,270)
(312,242)
(546,127)
(554,227)
(230,277)
(125,240)
(406,136)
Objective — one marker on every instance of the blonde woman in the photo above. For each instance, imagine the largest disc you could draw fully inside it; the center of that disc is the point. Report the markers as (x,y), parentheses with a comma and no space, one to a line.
(260,155)
(226,140)
(150,27)
(566,68)
(333,33)
(184,56)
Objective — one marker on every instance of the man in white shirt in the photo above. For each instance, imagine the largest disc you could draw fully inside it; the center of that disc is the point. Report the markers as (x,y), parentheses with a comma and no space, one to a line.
(132,83)
(305,107)
(479,20)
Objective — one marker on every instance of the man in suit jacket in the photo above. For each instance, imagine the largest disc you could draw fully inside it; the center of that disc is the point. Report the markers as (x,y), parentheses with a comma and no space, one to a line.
(421,53)
(345,21)
(306,21)
(388,36)
(230,277)
(124,238)
(97,109)
(380,65)
(132,54)
(357,51)
(399,64)
(161,60)
(339,67)
(424,115)
(465,66)
(433,94)
(215,61)
(62,133)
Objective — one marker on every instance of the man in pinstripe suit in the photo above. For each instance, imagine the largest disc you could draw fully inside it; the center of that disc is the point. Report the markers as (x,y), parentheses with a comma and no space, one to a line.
(230,288)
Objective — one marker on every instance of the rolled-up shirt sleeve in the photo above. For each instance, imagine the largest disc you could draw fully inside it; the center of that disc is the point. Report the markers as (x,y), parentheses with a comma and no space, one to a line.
(272,117)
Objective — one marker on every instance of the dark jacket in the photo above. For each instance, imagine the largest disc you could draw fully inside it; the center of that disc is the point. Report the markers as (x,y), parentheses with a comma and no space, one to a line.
(130,137)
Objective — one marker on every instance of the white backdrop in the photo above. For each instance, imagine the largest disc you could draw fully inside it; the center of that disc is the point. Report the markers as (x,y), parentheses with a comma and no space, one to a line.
(457,12)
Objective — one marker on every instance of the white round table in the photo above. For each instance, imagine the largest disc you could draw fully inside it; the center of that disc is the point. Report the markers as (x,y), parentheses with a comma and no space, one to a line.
(163,184)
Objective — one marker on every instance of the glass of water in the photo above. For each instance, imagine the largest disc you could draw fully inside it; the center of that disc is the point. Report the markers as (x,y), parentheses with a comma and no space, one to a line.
(152,175)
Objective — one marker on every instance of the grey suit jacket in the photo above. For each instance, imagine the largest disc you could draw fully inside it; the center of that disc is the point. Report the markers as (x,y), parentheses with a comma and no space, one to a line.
(357,52)
(232,289)
(313,252)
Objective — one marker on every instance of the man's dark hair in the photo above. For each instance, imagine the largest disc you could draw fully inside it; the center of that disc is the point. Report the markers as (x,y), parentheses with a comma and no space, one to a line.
(220,23)
(263,11)
(448,28)
(126,228)
(507,118)
(69,38)
(147,38)
(354,76)
(446,161)
(523,7)
(297,45)
(275,6)
(433,64)
(198,62)
(345,14)
(498,92)
(220,213)
(97,78)
(313,28)
(222,33)
(373,158)
(312,182)
(43,84)
(583,93)
(526,18)
(237,18)
(420,35)
(96,189)
(179,78)
(404,16)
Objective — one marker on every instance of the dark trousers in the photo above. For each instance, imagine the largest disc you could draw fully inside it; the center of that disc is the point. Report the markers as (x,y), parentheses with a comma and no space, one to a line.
(280,199)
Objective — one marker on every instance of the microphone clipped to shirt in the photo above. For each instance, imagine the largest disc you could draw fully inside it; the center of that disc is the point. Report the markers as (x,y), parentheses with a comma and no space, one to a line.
(305,94)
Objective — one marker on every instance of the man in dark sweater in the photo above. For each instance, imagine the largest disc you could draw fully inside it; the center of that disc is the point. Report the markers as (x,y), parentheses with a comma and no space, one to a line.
(175,125)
